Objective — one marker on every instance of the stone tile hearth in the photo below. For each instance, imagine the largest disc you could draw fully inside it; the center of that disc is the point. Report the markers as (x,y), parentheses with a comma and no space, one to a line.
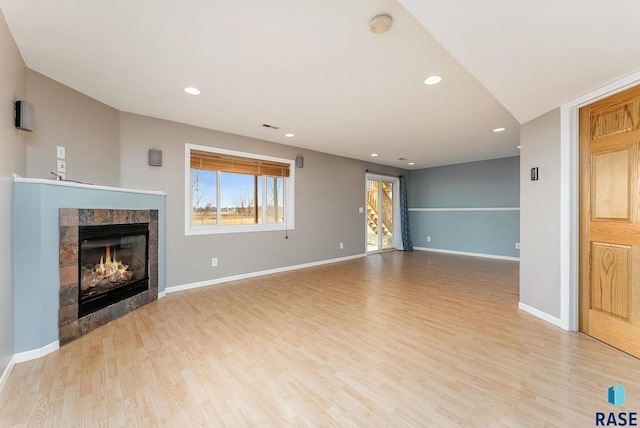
(71,327)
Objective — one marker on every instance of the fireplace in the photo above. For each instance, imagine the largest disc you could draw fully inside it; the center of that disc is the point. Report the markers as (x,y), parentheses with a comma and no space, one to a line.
(113,264)
(108,266)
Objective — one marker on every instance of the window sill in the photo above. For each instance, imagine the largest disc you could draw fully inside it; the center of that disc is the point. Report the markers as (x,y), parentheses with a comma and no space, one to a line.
(214,230)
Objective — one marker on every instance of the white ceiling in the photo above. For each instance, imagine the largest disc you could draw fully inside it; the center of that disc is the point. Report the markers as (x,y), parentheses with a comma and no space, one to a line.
(313,67)
(535,55)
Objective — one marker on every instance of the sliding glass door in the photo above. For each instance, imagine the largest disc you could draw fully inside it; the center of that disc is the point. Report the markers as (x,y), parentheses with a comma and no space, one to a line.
(380,213)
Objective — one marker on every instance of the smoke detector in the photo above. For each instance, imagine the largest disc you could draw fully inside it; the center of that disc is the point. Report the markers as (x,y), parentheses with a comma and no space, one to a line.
(380,24)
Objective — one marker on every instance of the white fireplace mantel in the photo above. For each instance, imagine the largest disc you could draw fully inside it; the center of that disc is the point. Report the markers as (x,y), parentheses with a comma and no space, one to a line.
(80,185)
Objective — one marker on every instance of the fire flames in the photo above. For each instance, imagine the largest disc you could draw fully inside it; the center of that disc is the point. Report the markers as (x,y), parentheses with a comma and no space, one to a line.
(109,272)
(110,266)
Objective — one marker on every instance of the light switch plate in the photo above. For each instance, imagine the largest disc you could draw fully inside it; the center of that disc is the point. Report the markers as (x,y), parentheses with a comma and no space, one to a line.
(61,152)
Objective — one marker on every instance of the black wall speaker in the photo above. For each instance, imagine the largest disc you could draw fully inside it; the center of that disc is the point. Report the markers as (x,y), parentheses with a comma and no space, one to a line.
(299,161)
(24,116)
(155,157)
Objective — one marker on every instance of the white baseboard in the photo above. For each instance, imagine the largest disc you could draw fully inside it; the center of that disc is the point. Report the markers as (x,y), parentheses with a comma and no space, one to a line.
(21,357)
(7,371)
(259,273)
(462,253)
(542,315)
(162,294)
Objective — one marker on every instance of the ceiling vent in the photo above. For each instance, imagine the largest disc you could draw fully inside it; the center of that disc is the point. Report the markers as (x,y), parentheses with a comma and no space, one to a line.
(266,125)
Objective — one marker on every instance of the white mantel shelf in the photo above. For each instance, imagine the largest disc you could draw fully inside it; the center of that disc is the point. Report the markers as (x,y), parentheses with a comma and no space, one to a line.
(64,183)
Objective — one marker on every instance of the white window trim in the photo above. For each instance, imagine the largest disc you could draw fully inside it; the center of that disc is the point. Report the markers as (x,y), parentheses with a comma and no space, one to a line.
(289,196)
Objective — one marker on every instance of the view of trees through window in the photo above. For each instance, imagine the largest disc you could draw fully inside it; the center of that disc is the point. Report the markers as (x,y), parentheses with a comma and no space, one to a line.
(275,200)
(204,198)
(224,198)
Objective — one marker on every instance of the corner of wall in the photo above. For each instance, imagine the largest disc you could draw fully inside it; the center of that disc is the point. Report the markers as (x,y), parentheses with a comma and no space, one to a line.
(7,371)
(13,160)
(540,207)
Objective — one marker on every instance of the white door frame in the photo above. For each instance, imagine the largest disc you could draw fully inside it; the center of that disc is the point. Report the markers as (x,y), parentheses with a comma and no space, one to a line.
(569,187)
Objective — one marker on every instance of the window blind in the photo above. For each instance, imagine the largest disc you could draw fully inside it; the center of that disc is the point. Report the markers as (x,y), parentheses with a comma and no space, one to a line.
(237,164)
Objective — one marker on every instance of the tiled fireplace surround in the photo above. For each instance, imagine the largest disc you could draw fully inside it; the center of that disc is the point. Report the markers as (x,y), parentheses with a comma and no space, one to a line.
(70,326)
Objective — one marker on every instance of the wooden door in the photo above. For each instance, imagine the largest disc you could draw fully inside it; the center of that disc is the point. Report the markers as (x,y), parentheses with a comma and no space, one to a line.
(610,220)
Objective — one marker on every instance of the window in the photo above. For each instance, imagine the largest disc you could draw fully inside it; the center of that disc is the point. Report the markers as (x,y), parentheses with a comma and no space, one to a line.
(229,191)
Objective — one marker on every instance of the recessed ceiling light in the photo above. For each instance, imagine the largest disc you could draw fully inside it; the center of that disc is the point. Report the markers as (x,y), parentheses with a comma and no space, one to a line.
(412,163)
(433,80)
(192,91)
(289,135)
(499,129)
(374,154)
(518,146)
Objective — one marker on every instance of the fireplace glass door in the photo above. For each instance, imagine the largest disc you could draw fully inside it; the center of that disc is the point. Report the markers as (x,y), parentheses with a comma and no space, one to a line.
(113,263)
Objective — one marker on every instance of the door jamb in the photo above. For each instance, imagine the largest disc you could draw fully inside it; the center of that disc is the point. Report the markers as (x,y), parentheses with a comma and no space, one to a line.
(569,188)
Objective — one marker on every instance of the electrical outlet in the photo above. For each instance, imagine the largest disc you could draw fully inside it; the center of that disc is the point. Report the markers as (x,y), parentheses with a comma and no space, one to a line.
(214,262)
(428,239)
(62,166)
(341,246)
(61,152)
(517,245)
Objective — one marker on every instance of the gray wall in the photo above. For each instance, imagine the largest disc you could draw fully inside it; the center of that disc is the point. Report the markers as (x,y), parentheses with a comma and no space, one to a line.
(487,184)
(328,191)
(108,147)
(12,159)
(87,129)
(540,214)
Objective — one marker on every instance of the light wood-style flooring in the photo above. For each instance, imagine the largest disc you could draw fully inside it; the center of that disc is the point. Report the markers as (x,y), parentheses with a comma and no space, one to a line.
(394,339)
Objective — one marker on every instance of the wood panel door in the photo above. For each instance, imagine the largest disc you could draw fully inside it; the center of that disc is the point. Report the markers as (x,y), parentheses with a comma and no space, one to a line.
(610,220)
